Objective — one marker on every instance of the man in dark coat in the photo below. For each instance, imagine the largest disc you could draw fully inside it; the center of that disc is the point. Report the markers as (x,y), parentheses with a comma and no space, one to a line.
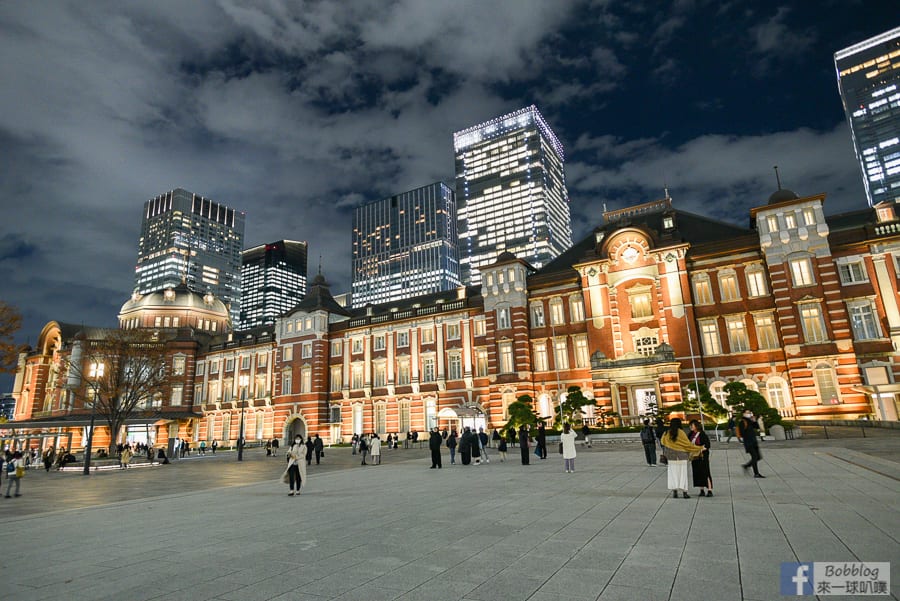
(465,446)
(523,444)
(648,440)
(542,441)
(310,447)
(434,443)
(319,448)
(749,427)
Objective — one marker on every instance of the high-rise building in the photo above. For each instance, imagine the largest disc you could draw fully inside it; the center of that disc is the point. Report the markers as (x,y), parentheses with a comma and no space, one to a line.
(405,245)
(511,191)
(273,281)
(191,239)
(869,82)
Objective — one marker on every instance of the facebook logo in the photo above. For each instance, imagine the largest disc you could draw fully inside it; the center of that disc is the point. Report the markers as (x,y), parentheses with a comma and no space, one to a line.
(796,578)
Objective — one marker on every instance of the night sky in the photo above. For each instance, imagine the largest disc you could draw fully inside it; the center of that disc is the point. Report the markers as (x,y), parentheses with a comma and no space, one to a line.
(296,112)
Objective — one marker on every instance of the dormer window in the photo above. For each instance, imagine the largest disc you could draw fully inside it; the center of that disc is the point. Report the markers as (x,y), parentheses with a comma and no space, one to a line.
(668,222)
(809,216)
(790,221)
(885,213)
(772,223)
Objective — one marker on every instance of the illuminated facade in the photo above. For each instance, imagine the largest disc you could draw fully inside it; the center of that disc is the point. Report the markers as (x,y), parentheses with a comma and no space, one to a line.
(191,239)
(405,246)
(273,281)
(869,83)
(800,307)
(511,192)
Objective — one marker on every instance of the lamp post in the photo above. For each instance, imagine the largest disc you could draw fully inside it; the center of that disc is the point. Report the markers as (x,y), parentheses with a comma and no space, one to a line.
(90,442)
(243,382)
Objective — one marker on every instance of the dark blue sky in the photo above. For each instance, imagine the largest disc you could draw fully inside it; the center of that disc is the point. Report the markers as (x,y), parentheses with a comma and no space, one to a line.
(295,112)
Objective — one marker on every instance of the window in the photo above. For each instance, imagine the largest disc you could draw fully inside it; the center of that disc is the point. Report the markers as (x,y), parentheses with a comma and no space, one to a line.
(287,354)
(640,304)
(454,367)
(356,372)
(260,386)
(177,395)
(728,286)
(229,365)
(261,360)
(285,382)
(403,372)
(306,350)
(306,380)
(481,362)
(96,370)
(540,356)
(737,334)
(213,392)
(379,374)
(790,221)
(503,321)
(507,365)
(766,333)
(226,427)
(772,223)
(863,320)
(775,388)
(537,316)
(404,416)
(717,389)
(428,335)
(576,308)
(380,418)
(480,327)
(709,334)
(245,362)
(174,322)
(289,327)
(756,283)
(452,331)
(582,356)
(646,345)
(809,216)
(430,413)
(428,369)
(357,346)
(157,322)
(337,378)
(801,271)
(852,272)
(813,323)
(557,318)
(828,392)
(702,290)
(378,343)
(198,393)
(561,353)
(336,348)
(402,339)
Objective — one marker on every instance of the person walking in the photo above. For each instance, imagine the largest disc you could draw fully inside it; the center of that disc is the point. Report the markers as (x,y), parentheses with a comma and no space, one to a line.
(678,451)
(203,447)
(125,459)
(567,439)
(501,449)
(15,471)
(465,446)
(274,447)
(376,449)
(319,448)
(731,426)
(296,467)
(215,445)
(496,437)
(700,465)
(749,428)
(48,457)
(434,443)
(363,445)
(310,447)
(483,441)
(523,444)
(648,441)
(451,444)
(586,432)
(541,439)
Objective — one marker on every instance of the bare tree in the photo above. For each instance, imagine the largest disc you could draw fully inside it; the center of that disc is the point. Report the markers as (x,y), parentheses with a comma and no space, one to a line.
(10,322)
(122,373)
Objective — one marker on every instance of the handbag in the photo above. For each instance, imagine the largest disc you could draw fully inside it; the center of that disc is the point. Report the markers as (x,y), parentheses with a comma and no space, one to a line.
(20,471)
(560,448)
(664,460)
(537,451)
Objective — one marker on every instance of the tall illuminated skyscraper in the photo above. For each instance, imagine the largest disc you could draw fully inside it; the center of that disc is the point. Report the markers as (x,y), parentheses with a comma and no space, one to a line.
(869,82)
(185,237)
(405,245)
(511,191)
(273,281)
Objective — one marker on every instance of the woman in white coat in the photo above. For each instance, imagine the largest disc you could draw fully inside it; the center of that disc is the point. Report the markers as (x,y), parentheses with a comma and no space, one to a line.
(567,439)
(296,468)
(375,449)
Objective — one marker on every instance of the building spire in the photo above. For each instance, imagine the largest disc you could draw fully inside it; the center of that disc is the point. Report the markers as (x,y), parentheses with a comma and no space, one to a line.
(666,189)
(777,177)
(320,264)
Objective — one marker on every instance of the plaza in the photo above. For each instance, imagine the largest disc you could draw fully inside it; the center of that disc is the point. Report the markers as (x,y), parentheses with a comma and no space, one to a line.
(210,528)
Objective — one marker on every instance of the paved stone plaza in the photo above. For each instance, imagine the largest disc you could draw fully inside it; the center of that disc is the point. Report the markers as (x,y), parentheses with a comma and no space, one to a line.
(212,528)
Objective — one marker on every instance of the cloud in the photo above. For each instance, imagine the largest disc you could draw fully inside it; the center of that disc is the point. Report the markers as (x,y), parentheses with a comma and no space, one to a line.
(776,41)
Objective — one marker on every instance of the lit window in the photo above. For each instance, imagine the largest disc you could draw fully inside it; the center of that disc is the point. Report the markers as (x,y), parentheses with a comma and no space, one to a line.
(178,365)
(766,333)
(852,272)
(775,388)
(453,331)
(285,383)
(428,369)
(229,365)
(287,353)
(813,322)
(481,362)
(640,305)
(507,364)
(772,223)
(454,367)
(357,345)
(582,356)
(717,389)
(356,372)
(801,271)
(537,316)
(378,343)
(809,216)
(428,335)
(540,356)
(403,372)
(729,287)
(245,362)
(402,339)
(336,376)
(702,290)
(557,316)
(177,395)
(96,369)
(709,333)
(306,380)
(561,353)
(825,382)
(503,321)
(261,359)
(737,334)
(646,345)
(336,348)
(214,367)
(576,308)
(790,221)
(863,320)
(480,327)
(379,374)
(756,283)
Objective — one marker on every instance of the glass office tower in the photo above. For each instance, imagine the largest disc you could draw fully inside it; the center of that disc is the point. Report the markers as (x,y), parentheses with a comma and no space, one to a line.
(273,281)
(869,82)
(511,190)
(405,246)
(191,239)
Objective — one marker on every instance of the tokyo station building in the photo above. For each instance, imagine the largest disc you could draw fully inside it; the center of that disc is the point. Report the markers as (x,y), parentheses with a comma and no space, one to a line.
(798,306)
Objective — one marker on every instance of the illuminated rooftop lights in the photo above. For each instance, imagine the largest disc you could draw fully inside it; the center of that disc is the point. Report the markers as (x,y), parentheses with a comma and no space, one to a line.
(500,125)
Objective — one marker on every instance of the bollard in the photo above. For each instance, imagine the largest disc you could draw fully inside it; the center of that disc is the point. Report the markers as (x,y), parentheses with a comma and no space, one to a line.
(826,431)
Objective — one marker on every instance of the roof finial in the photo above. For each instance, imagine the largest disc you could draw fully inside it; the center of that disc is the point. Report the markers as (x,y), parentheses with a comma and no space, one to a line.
(666,188)
(320,264)
(777,178)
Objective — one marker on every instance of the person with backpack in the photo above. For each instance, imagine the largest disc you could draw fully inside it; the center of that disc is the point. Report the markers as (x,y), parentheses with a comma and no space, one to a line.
(363,448)
(648,441)
(15,471)
(451,444)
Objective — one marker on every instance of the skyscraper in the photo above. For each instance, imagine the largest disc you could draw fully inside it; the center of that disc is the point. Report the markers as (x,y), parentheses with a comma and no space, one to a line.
(273,281)
(511,190)
(869,83)
(185,237)
(405,245)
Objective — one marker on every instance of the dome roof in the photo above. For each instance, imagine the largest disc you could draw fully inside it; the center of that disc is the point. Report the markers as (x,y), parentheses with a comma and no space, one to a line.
(506,256)
(782,195)
(179,297)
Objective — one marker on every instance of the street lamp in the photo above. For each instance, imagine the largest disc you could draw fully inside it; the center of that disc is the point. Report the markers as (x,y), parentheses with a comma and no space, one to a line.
(243,381)
(90,441)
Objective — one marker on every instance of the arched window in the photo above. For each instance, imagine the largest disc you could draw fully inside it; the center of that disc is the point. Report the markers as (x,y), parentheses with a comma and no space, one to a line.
(779,395)
(717,390)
